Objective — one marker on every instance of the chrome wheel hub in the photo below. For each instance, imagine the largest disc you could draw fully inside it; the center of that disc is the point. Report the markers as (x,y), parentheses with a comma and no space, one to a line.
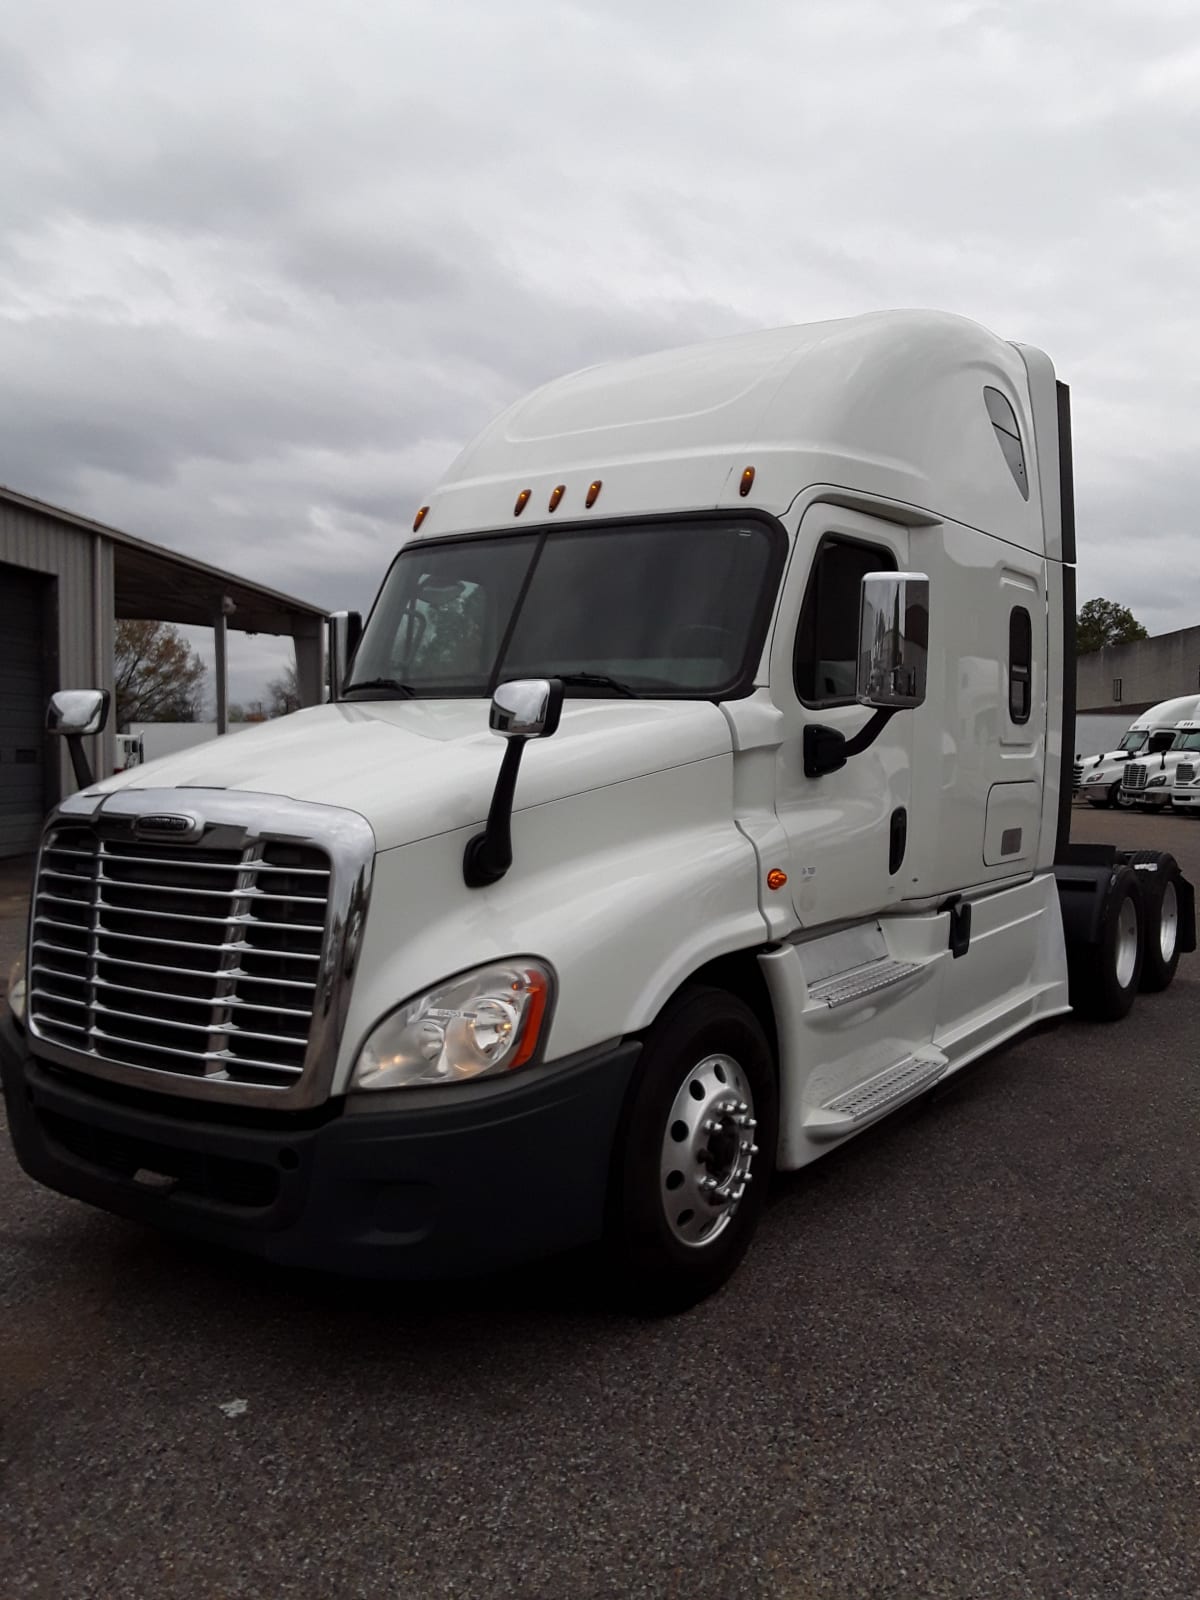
(1168,922)
(1127,942)
(707,1151)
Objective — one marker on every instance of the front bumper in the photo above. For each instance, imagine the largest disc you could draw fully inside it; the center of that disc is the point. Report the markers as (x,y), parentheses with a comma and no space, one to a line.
(457,1181)
(1152,799)
(1185,797)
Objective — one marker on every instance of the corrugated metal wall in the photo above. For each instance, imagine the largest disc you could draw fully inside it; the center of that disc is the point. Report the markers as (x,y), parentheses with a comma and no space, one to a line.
(84,654)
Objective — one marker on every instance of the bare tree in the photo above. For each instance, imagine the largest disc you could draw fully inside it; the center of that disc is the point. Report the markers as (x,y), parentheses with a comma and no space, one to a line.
(158,677)
(283,694)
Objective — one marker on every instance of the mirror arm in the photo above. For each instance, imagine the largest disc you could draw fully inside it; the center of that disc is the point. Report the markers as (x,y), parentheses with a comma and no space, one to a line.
(79,761)
(488,855)
(828,749)
(870,731)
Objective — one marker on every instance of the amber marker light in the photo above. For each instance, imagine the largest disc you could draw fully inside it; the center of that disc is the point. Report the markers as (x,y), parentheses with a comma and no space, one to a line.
(776,879)
(522,502)
(556,496)
(593,493)
(747,482)
(539,994)
(420,517)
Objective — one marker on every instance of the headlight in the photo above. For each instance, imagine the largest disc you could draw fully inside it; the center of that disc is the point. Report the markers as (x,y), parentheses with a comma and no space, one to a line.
(1154,782)
(484,1022)
(16,988)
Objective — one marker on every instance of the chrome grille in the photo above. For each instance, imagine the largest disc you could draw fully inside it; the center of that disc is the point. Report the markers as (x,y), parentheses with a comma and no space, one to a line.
(1185,772)
(1135,776)
(187,959)
(1076,777)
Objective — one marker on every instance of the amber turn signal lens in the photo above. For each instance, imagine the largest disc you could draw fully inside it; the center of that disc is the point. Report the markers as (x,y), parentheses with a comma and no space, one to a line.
(556,496)
(776,879)
(522,502)
(593,493)
(747,482)
(420,517)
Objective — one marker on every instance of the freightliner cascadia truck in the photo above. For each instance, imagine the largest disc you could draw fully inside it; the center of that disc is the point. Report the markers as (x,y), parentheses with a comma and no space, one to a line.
(697,791)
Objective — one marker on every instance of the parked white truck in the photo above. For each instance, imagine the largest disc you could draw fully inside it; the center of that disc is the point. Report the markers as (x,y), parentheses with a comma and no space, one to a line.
(775,632)
(1147,781)
(1100,778)
(1185,784)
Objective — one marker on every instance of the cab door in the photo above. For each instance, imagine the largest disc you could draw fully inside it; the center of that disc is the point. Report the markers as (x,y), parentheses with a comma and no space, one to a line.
(847,831)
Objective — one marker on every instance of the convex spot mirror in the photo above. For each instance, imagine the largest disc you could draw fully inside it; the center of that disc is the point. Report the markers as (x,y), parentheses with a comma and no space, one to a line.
(527,708)
(78,711)
(893,640)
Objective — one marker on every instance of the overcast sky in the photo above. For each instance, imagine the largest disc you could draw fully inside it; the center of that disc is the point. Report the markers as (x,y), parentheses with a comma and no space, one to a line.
(265,266)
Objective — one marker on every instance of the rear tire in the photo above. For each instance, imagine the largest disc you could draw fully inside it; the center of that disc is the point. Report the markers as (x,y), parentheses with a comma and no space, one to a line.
(674,1236)
(1104,976)
(1158,874)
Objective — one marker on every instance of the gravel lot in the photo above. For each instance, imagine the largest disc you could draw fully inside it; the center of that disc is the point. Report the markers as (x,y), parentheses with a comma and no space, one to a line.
(962,1360)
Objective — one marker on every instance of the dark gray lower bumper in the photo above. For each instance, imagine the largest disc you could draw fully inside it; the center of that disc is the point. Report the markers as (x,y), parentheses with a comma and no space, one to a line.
(466,1180)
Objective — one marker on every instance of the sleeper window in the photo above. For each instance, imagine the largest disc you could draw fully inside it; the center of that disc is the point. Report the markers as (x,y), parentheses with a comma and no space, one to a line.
(826,662)
(1020,664)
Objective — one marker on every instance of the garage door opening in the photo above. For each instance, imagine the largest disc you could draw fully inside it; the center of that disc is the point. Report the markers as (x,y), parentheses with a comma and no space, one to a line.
(26,641)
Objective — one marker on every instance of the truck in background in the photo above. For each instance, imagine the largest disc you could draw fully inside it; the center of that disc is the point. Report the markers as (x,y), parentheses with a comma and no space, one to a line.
(1185,784)
(776,635)
(1100,777)
(1147,782)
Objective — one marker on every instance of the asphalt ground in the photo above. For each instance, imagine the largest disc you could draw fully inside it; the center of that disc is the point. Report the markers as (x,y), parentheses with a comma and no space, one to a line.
(962,1360)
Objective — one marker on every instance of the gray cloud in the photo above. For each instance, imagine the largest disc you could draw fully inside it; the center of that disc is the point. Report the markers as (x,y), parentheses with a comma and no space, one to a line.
(263,269)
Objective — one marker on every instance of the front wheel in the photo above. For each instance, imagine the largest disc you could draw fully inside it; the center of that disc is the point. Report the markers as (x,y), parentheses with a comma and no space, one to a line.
(1124,802)
(696,1153)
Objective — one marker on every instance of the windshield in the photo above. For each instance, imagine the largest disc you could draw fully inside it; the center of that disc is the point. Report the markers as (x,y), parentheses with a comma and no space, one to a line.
(1133,740)
(1187,741)
(667,608)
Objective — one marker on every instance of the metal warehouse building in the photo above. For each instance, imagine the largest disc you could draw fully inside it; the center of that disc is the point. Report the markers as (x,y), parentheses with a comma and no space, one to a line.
(63,582)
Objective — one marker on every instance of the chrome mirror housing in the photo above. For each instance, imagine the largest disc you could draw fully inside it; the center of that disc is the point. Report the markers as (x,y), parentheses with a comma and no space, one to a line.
(79,712)
(893,640)
(345,630)
(526,708)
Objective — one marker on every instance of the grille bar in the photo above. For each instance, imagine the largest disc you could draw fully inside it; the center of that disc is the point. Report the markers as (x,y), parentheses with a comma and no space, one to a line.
(193,959)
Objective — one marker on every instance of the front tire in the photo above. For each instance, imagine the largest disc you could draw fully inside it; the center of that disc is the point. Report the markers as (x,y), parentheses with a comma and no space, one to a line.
(696,1152)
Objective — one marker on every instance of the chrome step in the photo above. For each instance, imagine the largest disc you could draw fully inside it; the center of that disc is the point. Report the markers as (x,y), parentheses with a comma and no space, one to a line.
(855,1108)
(844,987)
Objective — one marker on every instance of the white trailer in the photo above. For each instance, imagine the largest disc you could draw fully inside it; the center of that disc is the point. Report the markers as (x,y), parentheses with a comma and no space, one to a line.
(776,635)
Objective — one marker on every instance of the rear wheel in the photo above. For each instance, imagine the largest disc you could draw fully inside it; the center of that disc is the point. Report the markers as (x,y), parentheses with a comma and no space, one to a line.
(1158,875)
(1104,976)
(692,1168)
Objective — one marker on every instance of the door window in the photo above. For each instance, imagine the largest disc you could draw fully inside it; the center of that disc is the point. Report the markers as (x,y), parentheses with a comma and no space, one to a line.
(826,660)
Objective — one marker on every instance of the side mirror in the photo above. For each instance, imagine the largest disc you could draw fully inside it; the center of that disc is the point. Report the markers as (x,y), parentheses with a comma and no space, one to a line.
(345,630)
(76,714)
(527,708)
(893,640)
(78,711)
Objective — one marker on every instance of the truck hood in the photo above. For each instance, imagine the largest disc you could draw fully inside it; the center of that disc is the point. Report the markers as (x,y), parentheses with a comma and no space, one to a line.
(415,768)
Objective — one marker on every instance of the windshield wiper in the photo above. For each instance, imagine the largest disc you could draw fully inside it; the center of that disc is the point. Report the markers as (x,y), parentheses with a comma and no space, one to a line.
(595,680)
(403,689)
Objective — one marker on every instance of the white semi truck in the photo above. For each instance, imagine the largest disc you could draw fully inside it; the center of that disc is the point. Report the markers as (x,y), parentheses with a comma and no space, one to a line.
(1147,781)
(775,635)
(1100,778)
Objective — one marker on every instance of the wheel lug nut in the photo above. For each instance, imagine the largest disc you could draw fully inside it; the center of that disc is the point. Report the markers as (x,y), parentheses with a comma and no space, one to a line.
(753,1149)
